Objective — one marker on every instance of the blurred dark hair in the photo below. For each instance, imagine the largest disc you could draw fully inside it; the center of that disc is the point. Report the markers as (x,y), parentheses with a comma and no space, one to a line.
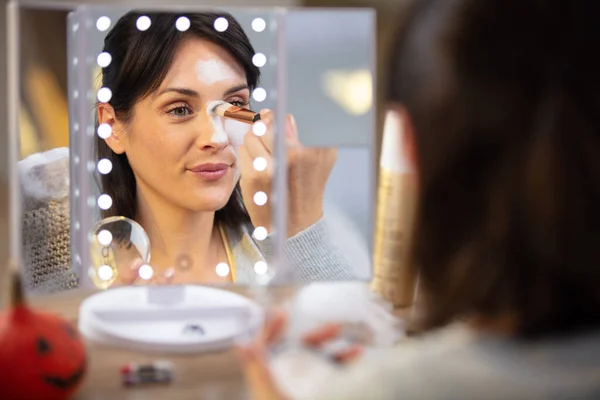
(140,62)
(504,99)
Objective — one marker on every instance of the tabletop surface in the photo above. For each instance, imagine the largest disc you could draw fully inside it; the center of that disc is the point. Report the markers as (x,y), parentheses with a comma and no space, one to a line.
(215,375)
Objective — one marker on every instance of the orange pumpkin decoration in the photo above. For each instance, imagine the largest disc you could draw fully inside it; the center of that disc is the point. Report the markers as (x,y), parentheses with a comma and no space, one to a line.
(41,355)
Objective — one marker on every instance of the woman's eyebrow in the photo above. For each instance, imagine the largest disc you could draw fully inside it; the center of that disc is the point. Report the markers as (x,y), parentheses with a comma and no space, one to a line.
(187,92)
(236,88)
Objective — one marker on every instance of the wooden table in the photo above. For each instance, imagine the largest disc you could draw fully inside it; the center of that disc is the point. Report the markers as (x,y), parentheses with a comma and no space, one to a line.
(208,376)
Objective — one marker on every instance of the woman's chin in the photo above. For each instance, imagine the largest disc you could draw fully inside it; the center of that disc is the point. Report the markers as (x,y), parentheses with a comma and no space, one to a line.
(210,205)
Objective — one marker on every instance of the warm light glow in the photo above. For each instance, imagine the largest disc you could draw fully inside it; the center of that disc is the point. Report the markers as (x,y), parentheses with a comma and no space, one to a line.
(221,24)
(351,90)
(258,24)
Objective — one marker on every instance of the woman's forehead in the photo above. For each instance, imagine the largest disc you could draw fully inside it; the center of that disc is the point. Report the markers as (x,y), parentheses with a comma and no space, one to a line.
(204,63)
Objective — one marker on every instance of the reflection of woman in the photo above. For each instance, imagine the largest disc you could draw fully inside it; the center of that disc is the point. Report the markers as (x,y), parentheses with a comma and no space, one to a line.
(176,175)
(498,100)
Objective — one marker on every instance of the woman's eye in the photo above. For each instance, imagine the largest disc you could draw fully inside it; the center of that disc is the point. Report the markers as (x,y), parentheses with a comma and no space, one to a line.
(239,103)
(181,111)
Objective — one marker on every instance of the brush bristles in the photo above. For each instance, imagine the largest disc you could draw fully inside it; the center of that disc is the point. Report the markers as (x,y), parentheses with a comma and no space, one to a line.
(219,109)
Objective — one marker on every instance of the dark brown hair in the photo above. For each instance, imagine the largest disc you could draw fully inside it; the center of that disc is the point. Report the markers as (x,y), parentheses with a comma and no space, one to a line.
(504,100)
(140,61)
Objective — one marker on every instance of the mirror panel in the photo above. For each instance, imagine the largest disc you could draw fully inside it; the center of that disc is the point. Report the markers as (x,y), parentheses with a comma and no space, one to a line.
(275,200)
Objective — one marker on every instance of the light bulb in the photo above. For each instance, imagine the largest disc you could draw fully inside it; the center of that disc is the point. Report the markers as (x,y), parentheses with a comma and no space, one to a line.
(259,59)
(102,24)
(260,267)
(221,24)
(105,273)
(260,198)
(104,202)
(260,233)
(222,269)
(182,24)
(258,24)
(259,94)
(143,23)
(105,237)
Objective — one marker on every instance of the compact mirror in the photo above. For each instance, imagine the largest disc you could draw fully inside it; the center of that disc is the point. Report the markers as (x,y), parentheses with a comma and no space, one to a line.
(197,145)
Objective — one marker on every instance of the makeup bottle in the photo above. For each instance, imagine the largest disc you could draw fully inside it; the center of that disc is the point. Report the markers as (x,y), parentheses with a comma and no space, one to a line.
(394,279)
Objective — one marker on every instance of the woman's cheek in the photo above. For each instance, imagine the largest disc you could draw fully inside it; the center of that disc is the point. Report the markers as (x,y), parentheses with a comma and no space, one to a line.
(236,131)
(236,167)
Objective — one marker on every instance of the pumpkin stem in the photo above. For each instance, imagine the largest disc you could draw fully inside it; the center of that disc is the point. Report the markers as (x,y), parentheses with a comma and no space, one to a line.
(16,291)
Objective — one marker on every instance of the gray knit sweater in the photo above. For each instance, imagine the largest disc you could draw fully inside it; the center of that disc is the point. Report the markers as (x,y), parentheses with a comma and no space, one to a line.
(331,249)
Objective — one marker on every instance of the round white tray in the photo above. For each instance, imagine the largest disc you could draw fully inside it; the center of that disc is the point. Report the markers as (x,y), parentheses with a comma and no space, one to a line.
(168,319)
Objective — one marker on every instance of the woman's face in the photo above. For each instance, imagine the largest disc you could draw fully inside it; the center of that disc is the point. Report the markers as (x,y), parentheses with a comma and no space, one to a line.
(179,153)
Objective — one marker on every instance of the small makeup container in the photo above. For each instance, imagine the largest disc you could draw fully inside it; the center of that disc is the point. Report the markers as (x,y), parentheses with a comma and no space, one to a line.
(134,374)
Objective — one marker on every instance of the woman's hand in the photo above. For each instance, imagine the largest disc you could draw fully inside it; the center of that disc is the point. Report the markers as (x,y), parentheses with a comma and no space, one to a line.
(254,357)
(308,171)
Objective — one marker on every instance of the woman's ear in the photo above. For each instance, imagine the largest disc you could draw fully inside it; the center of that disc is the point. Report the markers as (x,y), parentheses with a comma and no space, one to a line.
(116,141)
(398,144)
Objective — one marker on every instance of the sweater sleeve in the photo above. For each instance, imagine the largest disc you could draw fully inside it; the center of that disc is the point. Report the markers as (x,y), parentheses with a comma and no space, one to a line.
(313,255)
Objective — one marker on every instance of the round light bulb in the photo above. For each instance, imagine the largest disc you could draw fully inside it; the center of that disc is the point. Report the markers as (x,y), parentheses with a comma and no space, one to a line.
(259,59)
(259,128)
(104,166)
(105,273)
(258,24)
(259,163)
(104,95)
(182,24)
(143,23)
(104,131)
(221,24)
(222,269)
(104,202)
(260,233)
(146,272)
(260,198)
(260,267)
(105,237)
(102,24)
(259,94)
(104,59)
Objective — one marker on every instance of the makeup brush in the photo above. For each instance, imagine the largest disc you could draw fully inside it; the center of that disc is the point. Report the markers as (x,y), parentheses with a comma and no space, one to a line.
(227,110)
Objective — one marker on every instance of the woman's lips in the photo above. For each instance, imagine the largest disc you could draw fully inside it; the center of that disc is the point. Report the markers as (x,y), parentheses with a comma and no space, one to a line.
(210,171)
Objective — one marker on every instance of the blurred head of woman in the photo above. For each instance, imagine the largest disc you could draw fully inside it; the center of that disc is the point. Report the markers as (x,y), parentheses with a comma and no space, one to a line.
(501,110)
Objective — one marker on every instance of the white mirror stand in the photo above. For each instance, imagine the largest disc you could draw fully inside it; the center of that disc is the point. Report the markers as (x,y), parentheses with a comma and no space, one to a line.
(168,319)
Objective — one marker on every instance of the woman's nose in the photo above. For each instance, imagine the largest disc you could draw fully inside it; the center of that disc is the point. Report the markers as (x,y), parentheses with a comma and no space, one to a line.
(212,134)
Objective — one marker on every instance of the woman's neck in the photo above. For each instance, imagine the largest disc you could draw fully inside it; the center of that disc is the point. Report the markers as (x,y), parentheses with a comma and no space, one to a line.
(175,232)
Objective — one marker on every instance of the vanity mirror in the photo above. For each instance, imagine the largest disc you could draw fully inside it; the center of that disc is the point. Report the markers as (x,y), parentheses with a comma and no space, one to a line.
(198,145)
